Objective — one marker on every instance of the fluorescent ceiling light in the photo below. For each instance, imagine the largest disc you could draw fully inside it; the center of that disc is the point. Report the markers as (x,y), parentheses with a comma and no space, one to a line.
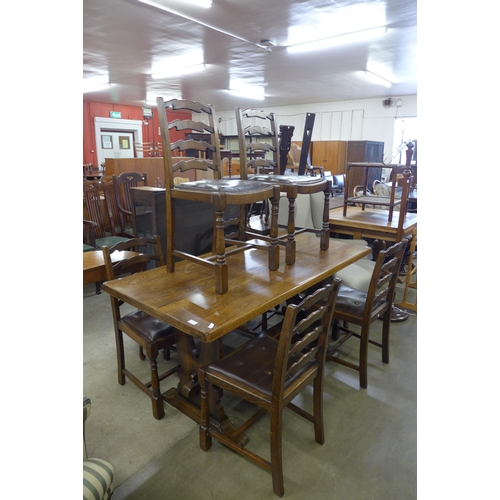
(95,83)
(346,38)
(377,79)
(247,94)
(186,70)
(206,4)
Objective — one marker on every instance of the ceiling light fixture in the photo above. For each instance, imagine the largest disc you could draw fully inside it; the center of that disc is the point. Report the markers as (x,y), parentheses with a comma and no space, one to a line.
(346,38)
(96,83)
(172,72)
(377,79)
(256,93)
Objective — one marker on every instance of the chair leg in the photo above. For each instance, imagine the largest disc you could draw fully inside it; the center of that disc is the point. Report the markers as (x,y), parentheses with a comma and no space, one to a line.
(319,433)
(98,285)
(386,326)
(277,452)
(156,399)
(205,437)
(142,356)
(290,242)
(120,356)
(363,357)
(325,228)
(221,270)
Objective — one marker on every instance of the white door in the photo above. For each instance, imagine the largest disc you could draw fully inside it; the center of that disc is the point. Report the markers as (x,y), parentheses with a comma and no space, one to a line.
(115,138)
(116,144)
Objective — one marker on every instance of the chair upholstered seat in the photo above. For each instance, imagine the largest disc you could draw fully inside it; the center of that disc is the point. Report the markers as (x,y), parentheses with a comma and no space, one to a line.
(147,326)
(353,301)
(108,241)
(253,366)
(228,186)
(298,180)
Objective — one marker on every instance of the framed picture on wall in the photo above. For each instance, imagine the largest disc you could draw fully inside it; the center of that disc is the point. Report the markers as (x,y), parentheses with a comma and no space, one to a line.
(107,142)
(124,142)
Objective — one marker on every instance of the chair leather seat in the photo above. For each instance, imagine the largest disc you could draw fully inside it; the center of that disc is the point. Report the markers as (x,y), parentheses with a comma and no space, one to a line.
(148,326)
(228,186)
(253,365)
(297,180)
(352,301)
(109,241)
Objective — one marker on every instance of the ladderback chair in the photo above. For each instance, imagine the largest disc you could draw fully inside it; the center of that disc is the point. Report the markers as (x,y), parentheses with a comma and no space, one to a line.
(270,373)
(361,308)
(99,211)
(121,186)
(292,185)
(218,192)
(151,334)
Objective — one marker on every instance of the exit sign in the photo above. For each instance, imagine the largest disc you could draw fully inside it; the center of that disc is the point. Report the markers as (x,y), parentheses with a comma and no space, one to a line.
(115,114)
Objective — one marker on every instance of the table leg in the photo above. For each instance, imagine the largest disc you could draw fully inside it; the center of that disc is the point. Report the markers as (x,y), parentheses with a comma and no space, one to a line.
(186,397)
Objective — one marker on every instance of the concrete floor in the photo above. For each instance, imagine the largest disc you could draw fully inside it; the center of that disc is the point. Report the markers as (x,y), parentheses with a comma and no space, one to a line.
(370,449)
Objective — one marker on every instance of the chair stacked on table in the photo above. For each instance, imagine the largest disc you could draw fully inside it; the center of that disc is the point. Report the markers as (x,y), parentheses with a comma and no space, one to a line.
(216,191)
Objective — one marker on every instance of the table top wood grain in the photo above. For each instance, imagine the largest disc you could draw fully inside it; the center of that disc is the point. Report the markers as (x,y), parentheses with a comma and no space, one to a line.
(186,298)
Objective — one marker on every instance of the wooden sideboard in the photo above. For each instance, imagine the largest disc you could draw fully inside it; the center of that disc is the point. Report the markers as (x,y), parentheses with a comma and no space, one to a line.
(152,167)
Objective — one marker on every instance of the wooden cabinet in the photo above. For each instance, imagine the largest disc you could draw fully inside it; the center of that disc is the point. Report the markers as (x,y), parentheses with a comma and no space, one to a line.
(152,167)
(194,221)
(364,151)
(331,155)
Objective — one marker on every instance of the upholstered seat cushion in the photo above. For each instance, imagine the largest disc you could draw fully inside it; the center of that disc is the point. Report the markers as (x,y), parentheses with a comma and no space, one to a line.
(149,327)
(299,180)
(88,248)
(228,186)
(352,301)
(109,241)
(253,365)
(97,479)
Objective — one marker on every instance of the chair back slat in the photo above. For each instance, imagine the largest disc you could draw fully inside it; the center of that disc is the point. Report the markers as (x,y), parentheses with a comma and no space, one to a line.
(384,278)
(303,336)
(98,207)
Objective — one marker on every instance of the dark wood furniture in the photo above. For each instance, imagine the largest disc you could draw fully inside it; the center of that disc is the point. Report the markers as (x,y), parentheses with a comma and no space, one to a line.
(194,220)
(270,373)
(122,184)
(372,223)
(151,334)
(361,308)
(285,143)
(292,185)
(218,192)
(364,199)
(409,282)
(186,300)
(98,210)
(364,152)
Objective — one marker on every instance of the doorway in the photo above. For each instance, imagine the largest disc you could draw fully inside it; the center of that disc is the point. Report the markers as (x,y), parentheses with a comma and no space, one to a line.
(115,138)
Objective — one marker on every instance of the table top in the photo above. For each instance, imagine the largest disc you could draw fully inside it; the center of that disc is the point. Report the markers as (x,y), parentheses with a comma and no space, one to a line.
(186,298)
(371,222)
(94,259)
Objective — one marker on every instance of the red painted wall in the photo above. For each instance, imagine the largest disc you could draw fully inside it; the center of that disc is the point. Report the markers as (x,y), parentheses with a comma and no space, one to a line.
(149,132)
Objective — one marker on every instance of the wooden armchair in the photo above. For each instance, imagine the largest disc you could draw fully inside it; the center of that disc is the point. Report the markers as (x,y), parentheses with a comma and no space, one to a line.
(121,187)
(99,211)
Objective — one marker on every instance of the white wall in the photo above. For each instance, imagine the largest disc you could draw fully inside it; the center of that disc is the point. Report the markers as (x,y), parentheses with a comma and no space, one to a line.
(364,119)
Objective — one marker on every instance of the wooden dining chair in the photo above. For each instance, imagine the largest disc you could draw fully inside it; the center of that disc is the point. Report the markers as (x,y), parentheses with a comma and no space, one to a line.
(99,211)
(270,373)
(292,185)
(151,334)
(361,308)
(121,187)
(218,192)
